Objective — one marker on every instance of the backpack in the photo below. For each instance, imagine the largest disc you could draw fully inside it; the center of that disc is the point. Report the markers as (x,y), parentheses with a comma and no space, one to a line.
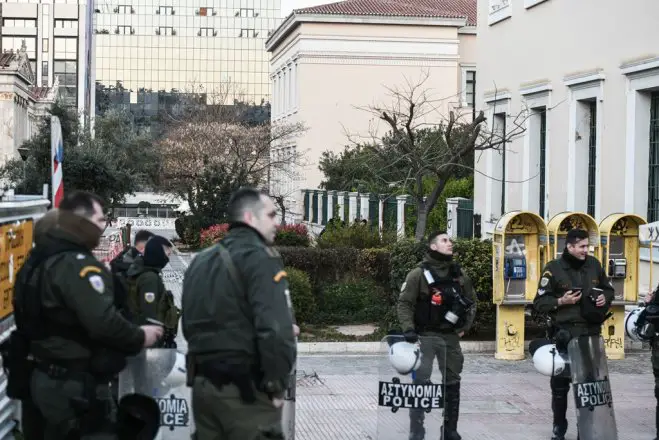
(166,310)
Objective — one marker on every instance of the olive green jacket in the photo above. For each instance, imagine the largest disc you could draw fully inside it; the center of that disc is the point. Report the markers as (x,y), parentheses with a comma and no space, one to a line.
(415,285)
(558,277)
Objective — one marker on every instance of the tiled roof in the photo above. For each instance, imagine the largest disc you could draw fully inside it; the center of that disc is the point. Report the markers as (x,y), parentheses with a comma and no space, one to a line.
(39,92)
(399,8)
(6,59)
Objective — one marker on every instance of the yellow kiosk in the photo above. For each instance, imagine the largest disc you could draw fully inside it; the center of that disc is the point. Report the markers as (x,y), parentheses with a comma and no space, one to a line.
(562,223)
(621,258)
(520,248)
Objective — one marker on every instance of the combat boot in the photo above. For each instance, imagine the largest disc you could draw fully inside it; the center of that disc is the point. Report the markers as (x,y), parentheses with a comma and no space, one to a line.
(451,413)
(417,430)
(558,433)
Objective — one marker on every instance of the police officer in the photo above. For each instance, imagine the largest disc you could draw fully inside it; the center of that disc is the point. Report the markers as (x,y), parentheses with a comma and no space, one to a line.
(565,284)
(237,319)
(78,341)
(148,302)
(652,298)
(421,313)
(148,299)
(121,263)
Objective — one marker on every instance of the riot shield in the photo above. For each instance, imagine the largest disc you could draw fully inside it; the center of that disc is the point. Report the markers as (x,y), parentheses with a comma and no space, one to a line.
(288,410)
(160,373)
(592,390)
(411,388)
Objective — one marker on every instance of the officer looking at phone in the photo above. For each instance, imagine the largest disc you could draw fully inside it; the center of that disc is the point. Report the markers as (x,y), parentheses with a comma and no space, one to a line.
(576,294)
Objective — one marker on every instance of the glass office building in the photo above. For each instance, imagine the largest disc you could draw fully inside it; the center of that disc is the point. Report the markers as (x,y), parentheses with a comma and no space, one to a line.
(149,52)
(56,36)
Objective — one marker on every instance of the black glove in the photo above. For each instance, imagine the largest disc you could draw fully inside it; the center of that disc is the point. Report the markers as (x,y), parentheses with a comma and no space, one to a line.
(411,336)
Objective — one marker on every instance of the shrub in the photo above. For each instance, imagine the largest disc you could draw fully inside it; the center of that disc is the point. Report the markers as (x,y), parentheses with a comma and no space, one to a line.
(351,302)
(304,303)
(356,235)
(292,235)
(213,234)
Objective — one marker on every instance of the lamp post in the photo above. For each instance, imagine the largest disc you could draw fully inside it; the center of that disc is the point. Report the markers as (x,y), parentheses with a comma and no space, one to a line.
(24,152)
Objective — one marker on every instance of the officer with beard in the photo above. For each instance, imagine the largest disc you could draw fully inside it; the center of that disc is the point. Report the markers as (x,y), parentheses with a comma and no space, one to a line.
(77,339)
(565,284)
(420,315)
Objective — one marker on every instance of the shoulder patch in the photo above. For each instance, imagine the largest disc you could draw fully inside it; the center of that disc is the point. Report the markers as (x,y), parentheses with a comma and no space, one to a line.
(87,269)
(541,292)
(547,273)
(80,257)
(281,274)
(149,297)
(97,283)
(544,281)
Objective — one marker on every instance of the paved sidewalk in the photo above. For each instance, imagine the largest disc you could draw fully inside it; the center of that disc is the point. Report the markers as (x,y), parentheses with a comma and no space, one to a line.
(501,400)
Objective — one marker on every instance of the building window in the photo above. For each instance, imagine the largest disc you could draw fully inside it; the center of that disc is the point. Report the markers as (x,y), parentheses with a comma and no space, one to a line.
(205,12)
(653,178)
(19,22)
(165,30)
(592,156)
(66,48)
(543,160)
(124,9)
(207,32)
(66,24)
(44,73)
(248,33)
(67,71)
(44,45)
(499,128)
(470,86)
(247,12)
(124,30)
(165,10)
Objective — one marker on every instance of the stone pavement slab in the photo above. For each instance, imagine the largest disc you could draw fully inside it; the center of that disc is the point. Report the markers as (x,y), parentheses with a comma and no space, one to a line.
(501,400)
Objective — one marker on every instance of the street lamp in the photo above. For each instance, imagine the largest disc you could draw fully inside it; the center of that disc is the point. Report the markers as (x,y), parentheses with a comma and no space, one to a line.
(24,152)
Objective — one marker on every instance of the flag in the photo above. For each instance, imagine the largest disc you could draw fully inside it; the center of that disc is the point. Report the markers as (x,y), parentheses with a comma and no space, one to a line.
(57,157)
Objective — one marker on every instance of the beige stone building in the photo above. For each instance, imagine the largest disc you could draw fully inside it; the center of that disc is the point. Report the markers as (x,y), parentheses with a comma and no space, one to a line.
(21,103)
(585,76)
(328,60)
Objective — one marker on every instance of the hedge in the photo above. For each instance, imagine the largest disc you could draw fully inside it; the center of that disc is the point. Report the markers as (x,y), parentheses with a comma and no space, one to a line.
(376,275)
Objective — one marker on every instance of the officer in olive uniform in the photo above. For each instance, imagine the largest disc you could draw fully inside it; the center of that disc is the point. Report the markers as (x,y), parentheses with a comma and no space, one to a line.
(149,302)
(565,282)
(420,315)
(237,319)
(148,298)
(121,263)
(652,298)
(77,339)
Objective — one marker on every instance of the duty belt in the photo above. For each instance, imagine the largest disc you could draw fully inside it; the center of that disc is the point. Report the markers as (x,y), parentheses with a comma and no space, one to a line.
(221,374)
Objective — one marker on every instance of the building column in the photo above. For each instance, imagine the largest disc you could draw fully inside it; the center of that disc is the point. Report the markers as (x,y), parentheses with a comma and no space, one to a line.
(341,203)
(352,207)
(400,216)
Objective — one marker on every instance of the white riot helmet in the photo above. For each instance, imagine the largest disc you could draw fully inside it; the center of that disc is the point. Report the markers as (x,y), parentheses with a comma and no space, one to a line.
(405,356)
(637,326)
(546,358)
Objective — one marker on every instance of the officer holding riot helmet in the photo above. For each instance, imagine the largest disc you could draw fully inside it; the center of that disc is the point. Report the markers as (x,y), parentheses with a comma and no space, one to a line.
(437,300)
(576,294)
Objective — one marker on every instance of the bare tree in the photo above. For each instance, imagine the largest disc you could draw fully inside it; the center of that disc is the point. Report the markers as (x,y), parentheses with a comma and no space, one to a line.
(214,149)
(421,142)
